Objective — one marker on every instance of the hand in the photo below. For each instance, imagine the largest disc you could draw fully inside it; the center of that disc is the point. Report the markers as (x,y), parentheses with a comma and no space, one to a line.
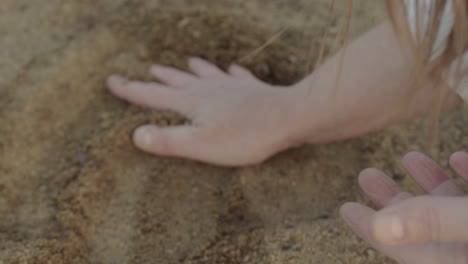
(422,229)
(236,119)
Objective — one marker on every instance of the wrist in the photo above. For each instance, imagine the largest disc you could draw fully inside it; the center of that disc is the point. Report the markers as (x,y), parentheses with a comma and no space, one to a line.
(303,119)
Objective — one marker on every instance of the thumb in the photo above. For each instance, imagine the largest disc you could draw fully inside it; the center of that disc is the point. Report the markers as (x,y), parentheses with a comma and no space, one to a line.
(176,141)
(422,219)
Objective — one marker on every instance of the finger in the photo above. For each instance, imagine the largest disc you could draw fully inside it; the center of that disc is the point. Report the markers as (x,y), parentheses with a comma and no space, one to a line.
(238,71)
(147,94)
(380,188)
(358,218)
(429,175)
(177,141)
(203,68)
(423,220)
(459,162)
(172,76)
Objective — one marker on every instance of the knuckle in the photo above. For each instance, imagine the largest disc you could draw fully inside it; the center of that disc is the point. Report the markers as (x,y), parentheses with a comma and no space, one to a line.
(431,222)
(421,220)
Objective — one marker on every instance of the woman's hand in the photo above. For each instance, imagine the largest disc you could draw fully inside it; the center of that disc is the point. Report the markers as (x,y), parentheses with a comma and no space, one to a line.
(236,118)
(415,229)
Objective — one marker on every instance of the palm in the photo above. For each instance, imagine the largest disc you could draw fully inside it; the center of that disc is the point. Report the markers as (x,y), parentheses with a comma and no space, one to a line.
(384,192)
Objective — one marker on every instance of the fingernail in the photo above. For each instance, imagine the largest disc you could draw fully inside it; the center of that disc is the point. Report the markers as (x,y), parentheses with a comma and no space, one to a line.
(155,69)
(142,137)
(117,80)
(388,228)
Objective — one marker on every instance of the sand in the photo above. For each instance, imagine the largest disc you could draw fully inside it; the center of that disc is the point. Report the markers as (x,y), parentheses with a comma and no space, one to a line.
(73,189)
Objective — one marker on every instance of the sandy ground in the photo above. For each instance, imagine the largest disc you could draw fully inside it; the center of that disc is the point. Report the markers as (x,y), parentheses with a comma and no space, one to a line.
(73,189)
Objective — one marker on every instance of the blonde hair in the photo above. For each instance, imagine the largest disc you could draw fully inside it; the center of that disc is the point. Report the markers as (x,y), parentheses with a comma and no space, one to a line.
(422,38)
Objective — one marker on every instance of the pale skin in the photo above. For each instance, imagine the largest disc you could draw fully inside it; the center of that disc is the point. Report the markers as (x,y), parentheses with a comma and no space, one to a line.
(427,229)
(239,120)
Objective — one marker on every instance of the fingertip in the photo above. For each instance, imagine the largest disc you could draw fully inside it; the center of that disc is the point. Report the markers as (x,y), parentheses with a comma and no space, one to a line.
(196,59)
(369,175)
(237,70)
(413,156)
(346,208)
(195,62)
(459,162)
(349,211)
(345,212)
(142,137)
(233,67)
(116,85)
(459,157)
(155,69)
(116,80)
(357,217)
